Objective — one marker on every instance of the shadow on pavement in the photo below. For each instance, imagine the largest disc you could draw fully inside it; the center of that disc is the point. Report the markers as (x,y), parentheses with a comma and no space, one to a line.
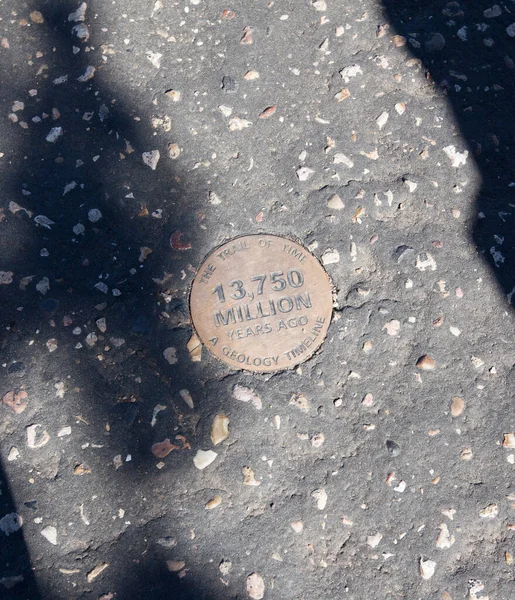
(87,213)
(16,574)
(468,51)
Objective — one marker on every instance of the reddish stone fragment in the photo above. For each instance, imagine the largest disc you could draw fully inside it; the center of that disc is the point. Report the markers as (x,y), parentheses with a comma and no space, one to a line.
(176,244)
(185,445)
(268,112)
(162,449)
(6,277)
(18,401)
(247,38)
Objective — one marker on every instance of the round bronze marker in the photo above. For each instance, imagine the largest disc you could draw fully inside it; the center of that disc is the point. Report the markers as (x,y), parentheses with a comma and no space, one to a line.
(261,303)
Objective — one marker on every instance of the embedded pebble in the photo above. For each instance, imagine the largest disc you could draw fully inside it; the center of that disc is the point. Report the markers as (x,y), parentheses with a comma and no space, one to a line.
(335,202)
(35,438)
(494,11)
(392,327)
(297,526)
(17,368)
(248,477)
(229,84)
(94,215)
(350,72)
(304,173)
(425,261)
(14,454)
(36,17)
(341,159)
(255,585)
(342,95)
(174,95)
(170,355)
(54,134)
(174,151)
(225,567)
(81,30)
(368,400)
(101,324)
(175,565)
(239,124)
(317,440)
(88,74)
(489,512)
(400,108)
(79,14)
(214,502)
(225,110)
(477,362)
(186,396)
(436,43)
(151,158)
(382,119)
(330,257)
(44,221)
(374,540)
(457,159)
(399,41)
(268,112)
(6,277)
(457,406)
(157,409)
(163,449)
(466,454)
(96,571)
(219,429)
(154,58)
(244,394)
(50,534)
(427,568)
(10,523)
(445,539)
(194,347)
(17,401)
(91,339)
(203,458)
(52,345)
(393,448)
(426,363)
(320,497)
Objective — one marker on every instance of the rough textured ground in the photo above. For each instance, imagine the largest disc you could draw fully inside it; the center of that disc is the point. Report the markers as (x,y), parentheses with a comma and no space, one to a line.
(375,478)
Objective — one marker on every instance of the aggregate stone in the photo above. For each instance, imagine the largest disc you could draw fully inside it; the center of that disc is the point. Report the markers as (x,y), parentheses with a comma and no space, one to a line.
(137,137)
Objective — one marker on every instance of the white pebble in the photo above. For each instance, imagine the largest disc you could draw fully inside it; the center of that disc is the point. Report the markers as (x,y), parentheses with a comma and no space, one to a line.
(341,159)
(54,134)
(204,458)
(151,158)
(427,568)
(50,533)
(330,257)
(94,215)
(382,119)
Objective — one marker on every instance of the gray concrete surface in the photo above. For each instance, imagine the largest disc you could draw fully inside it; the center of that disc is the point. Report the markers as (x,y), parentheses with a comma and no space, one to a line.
(373,477)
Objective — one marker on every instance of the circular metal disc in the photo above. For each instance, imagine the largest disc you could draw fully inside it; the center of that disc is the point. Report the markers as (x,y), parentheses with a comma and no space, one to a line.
(261,303)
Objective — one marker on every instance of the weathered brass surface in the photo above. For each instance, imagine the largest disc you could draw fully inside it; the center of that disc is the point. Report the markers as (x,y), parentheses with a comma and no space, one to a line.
(261,303)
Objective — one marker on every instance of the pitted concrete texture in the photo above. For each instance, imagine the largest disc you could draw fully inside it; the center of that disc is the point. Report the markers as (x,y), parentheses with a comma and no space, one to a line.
(138,136)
